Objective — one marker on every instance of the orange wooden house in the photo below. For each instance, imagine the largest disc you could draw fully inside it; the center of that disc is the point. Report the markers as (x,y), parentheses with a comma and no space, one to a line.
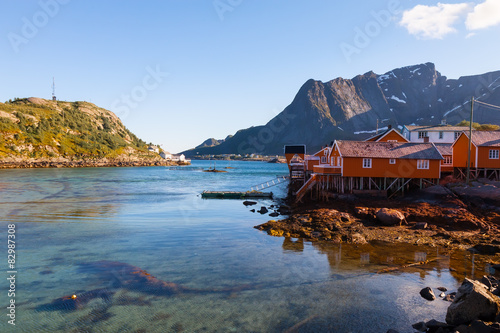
(349,166)
(386,159)
(484,153)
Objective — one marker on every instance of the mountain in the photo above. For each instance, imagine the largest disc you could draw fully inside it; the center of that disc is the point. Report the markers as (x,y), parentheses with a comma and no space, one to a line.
(350,109)
(36,128)
(210,143)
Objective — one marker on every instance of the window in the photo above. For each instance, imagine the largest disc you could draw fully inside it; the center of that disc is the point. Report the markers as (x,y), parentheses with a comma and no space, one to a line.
(441,134)
(339,161)
(448,160)
(422,164)
(422,134)
(457,134)
(323,159)
(392,161)
(494,154)
(392,140)
(367,163)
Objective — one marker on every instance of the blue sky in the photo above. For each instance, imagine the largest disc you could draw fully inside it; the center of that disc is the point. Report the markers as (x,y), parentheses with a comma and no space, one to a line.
(179,72)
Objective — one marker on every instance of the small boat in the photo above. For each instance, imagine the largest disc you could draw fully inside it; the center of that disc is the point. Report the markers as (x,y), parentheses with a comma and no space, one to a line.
(213,169)
(235,195)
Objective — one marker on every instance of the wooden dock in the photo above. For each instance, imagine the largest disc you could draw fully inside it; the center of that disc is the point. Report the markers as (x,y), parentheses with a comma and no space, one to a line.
(236,195)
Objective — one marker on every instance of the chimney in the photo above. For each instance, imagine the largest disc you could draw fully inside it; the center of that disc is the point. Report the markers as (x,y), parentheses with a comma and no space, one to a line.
(389,126)
(443,122)
(426,139)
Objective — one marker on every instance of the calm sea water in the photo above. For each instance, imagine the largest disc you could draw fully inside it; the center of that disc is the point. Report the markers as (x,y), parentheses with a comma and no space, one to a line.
(155,219)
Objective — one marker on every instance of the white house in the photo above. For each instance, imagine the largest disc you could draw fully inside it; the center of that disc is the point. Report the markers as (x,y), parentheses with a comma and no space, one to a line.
(434,133)
(166,155)
(154,149)
(179,158)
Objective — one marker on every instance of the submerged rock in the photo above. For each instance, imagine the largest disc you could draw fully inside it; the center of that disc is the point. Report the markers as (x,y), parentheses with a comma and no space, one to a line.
(472,302)
(249,203)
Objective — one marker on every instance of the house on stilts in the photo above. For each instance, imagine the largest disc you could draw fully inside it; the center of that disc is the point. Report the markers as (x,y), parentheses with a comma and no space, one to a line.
(369,166)
(484,155)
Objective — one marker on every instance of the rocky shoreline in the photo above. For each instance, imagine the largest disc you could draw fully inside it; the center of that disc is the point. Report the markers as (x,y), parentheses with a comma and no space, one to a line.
(28,164)
(434,217)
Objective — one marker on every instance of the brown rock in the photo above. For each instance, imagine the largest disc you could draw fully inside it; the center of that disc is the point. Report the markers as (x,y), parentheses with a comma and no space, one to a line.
(390,216)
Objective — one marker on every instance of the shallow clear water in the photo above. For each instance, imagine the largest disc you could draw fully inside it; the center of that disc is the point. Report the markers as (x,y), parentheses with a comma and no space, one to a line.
(247,281)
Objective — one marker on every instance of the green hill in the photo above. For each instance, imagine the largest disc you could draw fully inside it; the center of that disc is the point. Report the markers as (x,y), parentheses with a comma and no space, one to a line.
(35,128)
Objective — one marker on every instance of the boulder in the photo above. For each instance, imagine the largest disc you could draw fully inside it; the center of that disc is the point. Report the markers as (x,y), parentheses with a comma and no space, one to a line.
(263,210)
(472,302)
(390,216)
(478,326)
(442,289)
(274,214)
(249,203)
(420,326)
(428,294)
(434,325)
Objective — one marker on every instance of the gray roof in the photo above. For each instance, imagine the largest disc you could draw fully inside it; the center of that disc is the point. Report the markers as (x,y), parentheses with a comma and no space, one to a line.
(444,148)
(401,150)
(437,128)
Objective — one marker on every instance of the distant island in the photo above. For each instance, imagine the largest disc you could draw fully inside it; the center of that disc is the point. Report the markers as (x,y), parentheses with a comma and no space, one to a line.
(36,132)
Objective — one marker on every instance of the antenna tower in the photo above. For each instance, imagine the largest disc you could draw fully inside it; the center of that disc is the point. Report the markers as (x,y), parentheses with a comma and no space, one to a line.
(54,89)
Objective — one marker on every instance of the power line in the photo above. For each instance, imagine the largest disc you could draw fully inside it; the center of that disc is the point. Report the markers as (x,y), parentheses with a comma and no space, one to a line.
(488,105)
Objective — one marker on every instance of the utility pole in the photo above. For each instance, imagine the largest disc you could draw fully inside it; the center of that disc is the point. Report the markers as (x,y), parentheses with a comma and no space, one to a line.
(470,141)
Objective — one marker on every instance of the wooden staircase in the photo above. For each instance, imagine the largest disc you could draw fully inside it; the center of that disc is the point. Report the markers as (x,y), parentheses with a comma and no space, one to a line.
(305,188)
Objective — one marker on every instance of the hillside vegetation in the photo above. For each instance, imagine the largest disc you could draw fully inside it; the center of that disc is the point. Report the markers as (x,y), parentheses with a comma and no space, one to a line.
(35,128)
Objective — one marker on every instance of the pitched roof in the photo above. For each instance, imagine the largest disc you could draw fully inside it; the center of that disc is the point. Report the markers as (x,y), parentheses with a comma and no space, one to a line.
(444,148)
(437,128)
(401,150)
(486,138)
(379,136)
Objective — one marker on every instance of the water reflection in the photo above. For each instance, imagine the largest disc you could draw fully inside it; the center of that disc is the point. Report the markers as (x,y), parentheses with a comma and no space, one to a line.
(381,257)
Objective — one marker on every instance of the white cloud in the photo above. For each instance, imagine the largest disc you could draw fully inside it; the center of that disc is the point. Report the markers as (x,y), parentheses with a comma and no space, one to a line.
(485,15)
(433,22)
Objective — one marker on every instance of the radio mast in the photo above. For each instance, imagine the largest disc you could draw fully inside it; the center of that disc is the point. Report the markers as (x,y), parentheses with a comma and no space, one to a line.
(54,89)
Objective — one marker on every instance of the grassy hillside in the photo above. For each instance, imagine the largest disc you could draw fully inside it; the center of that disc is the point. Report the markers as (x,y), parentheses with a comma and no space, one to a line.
(39,128)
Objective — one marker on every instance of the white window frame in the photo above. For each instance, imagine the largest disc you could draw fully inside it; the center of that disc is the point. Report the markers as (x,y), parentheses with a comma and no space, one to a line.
(457,134)
(494,154)
(441,135)
(323,159)
(339,161)
(367,163)
(423,134)
(423,164)
(392,161)
(392,140)
(448,160)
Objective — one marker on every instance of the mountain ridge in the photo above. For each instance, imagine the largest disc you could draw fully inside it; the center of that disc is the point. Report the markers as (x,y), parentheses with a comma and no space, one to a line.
(350,109)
